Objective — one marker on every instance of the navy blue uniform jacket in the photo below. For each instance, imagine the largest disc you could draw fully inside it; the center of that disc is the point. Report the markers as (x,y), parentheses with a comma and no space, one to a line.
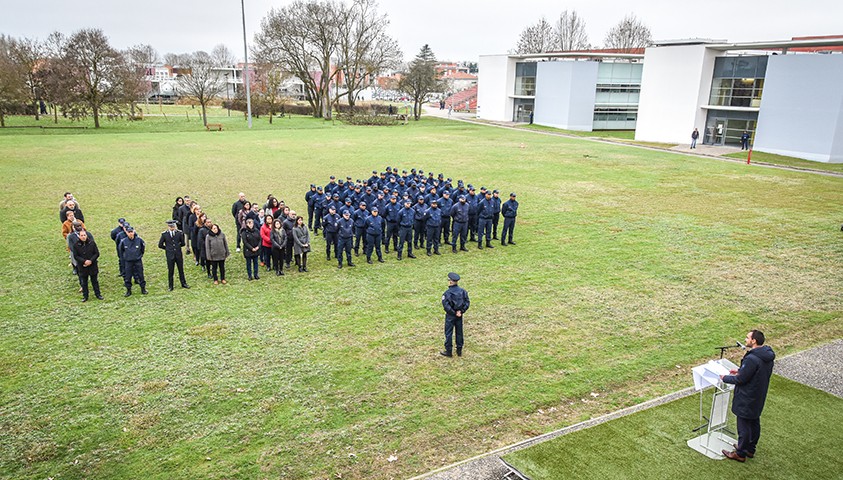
(751,382)
(455,298)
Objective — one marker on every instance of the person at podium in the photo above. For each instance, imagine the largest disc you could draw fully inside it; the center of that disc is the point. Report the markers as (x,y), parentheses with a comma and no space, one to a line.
(751,383)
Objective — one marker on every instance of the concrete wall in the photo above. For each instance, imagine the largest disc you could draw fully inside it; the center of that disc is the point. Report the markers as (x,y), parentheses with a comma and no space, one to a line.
(565,94)
(802,108)
(495,84)
(675,83)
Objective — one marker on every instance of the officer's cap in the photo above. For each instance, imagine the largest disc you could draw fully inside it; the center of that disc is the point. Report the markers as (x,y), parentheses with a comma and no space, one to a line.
(347,199)
(446,193)
(407,201)
(488,193)
(374,209)
(333,177)
(441,176)
(318,189)
(129,229)
(420,198)
(388,169)
(453,277)
(495,191)
(470,189)
(412,170)
(346,212)
(401,180)
(121,221)
(380,194)
(512,194)
(482,188)
(462,197)
(331,207)
(374,171)
(403,171)
(126,225)
(312,185)
(348,178)
(362,204)
(434,201)
(368,189)
(335,195)
(172,222)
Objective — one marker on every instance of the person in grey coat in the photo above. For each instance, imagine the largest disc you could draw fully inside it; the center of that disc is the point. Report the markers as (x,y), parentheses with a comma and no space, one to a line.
(301,243)
(216,251)
(279,245)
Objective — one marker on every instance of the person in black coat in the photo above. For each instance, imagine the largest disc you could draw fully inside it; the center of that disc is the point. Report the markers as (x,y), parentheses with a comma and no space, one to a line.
(171,241)
(751,384)
(455,302)
(235,209)
(71,206)
(132,249)
(176,213)
(509,210)
(251,237)
(87,255)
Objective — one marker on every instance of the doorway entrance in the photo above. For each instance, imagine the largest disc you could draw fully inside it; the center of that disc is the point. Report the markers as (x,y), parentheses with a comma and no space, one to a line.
(722,128)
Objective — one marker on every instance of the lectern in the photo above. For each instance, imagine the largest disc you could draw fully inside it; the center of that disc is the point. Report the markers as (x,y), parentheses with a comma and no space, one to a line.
(707,380)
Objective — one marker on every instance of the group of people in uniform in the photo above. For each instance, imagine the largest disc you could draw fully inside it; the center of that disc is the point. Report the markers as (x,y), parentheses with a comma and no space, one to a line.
(407,208)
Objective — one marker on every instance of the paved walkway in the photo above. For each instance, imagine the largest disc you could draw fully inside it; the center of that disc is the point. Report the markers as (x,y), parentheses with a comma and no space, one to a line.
(819,367)
(702,151)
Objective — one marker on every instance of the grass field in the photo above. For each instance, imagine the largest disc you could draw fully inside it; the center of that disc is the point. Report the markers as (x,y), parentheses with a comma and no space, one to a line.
(651,444)
(788,161)
(631,265)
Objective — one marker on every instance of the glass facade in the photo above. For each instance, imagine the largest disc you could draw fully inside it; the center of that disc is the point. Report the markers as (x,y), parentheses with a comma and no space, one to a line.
(522,109)
(616,99)
(726,127)
(525,78)
(738,81)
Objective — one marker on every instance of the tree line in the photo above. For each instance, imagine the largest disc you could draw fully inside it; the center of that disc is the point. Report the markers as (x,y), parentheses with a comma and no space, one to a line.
(336,49)
(568,33)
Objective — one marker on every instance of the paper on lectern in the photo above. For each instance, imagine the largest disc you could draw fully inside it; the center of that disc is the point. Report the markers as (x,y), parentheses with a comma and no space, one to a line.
(708,374)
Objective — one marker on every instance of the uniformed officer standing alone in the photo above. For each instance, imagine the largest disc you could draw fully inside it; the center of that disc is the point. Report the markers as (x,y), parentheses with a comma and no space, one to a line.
(455,302)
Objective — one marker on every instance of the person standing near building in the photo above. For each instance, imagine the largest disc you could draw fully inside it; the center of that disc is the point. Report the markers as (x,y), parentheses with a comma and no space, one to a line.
(87,255)
(745,140)
(455,302)
(132,249)
(171,241)
(695,135)
(509,210)
(751,382)
(235,210)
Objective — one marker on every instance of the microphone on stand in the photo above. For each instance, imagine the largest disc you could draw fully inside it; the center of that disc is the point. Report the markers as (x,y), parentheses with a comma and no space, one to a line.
(740,345)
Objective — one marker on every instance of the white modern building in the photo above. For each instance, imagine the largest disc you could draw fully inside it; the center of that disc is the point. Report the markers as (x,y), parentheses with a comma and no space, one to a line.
(594,90)
(787,95)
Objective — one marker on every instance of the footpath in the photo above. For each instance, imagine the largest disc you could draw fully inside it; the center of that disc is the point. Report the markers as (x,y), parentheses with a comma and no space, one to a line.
(820,367)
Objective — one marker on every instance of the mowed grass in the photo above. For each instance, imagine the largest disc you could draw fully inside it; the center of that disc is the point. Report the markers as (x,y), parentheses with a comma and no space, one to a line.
(788,161)
(631,265)
(652,443)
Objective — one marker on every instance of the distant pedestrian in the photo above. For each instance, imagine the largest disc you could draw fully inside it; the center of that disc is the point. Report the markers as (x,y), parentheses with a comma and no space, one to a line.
(745,140)
(455,302)
(450,110)
(694,136)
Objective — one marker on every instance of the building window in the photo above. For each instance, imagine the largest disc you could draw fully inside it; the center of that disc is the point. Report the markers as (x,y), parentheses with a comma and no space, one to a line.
(738,81)
(525,78)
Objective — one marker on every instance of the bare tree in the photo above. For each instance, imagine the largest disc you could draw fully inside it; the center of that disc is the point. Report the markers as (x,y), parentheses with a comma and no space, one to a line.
(92,72)
(222,56)
(570,32)
(302,38)
(420,80)
(13,88)
(175,59)
(266,89)
(630,33)
(537,38)
(28,54)
(140,61)
(200,80)
(364,48)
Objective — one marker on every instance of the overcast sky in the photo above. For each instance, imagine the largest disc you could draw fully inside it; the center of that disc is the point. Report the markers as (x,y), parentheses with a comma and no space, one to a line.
(455,29)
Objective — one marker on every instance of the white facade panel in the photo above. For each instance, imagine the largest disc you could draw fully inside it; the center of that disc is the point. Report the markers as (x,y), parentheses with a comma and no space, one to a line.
(675,84)
(495,84)
(565,94)
(802,122)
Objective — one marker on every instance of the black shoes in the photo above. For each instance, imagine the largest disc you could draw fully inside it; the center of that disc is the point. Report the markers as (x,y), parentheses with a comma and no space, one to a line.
(99,297)
(84,299)
(352,264)
(170,289)
(369,261)
(399,256)
(143,291)
(459,352)
(184,285)
(410,255)
(445,354)
(128,293)
(463,249)
(429,254)
(380,260)
(489,245)
(437,253)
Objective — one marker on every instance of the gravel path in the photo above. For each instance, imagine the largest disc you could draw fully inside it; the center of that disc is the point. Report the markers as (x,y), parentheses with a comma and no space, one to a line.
(819,367)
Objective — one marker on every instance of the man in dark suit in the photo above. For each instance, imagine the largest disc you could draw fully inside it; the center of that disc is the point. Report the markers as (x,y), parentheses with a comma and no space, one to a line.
(171,242)
(751,384)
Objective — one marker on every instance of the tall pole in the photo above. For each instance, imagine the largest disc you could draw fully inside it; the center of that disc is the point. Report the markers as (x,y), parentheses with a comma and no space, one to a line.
(246,66)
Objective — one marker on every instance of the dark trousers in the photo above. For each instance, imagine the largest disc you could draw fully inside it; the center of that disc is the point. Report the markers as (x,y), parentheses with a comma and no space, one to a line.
(301,260)
(331,241)
(266,256)
(310,217)
(344,245)
(121,264)
(172,263)
(359,233)
(252,269)
(508,227)
(749,430)
(391,234)
(194,243)
(134,270)
(278,258)
(317,221)
(83,281)
(237,229)
(418,233)
(484,228)
(373,242)
(461,232)
(495,218)
(446,229)
(218,265)
(472,226)
(453,323)
(288,252)
(405,234)
(433,237)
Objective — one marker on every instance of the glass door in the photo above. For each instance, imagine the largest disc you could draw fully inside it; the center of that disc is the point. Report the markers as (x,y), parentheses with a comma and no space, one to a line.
(715,131)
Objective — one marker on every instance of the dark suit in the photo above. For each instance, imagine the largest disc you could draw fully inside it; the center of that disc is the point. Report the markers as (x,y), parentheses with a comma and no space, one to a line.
(171,242)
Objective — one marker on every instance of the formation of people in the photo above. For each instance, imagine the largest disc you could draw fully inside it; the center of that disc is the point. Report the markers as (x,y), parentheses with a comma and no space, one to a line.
(407,211)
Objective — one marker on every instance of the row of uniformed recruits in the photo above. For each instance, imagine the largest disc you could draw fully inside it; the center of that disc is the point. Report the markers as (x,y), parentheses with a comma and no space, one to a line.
(411,208)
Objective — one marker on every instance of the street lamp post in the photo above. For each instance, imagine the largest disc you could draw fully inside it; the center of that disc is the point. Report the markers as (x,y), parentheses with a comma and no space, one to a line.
(227,96)
(246,65)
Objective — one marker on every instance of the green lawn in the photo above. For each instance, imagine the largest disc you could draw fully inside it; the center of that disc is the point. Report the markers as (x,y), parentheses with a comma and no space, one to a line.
(788,161)
(631,265)
(801,437)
